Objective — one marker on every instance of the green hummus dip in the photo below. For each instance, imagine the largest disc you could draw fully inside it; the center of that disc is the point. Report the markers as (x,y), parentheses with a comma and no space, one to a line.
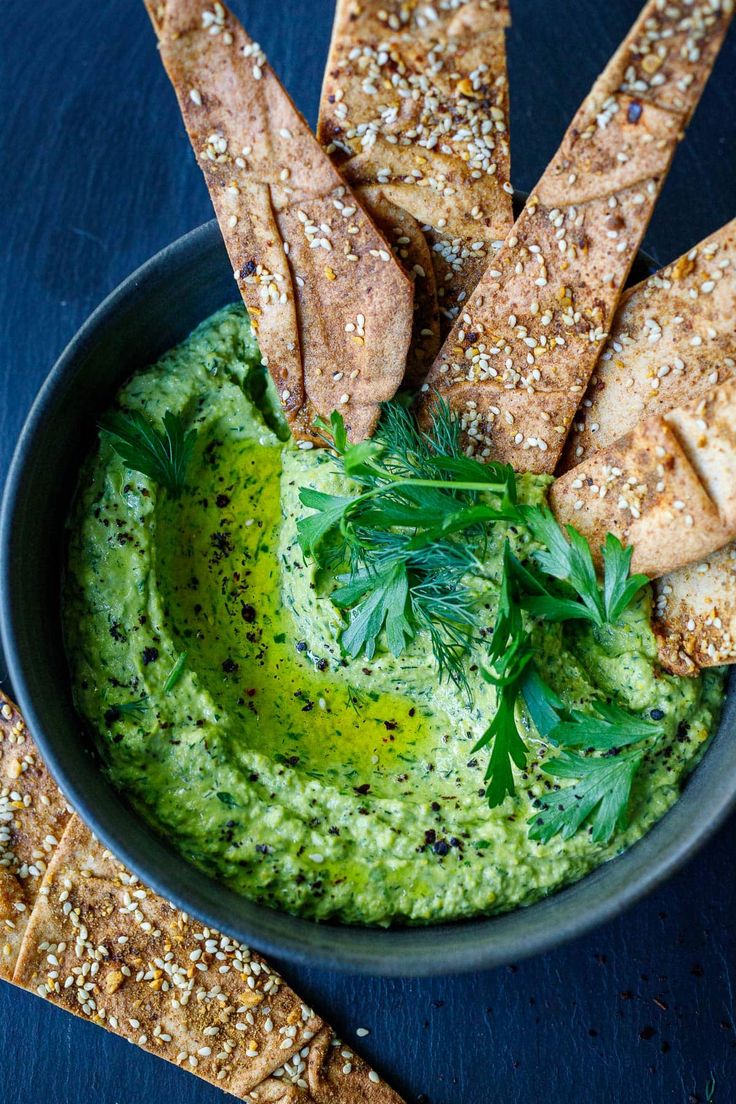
(323,786)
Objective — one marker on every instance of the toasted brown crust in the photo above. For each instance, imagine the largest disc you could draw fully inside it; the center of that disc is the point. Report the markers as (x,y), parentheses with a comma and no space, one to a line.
(325,1076)
(331,305)
(412,249)
(668,487)
(33,816)
(673,338)
(415,106)
(695,614)
(520,356)
(102,946)
(142,969)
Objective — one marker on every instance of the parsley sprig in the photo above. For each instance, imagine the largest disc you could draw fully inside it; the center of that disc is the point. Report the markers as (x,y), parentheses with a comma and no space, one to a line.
(603,783)
(403,549)
(400,537)
(162,456)
(568,558)
(510,654)
(601,794)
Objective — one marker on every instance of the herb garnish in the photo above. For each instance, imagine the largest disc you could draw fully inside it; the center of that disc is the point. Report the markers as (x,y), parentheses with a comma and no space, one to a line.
(413,538)
(176,672)
(399,535)
(602,791)
(569,559)
(163,456)
(510,653)
(122,709)
(226,799)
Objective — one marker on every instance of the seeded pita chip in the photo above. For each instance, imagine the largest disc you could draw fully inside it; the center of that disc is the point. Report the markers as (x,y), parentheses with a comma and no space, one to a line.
(412,249)
(673,337)
(520,356)
(668,487)
(334,1074)
(33,815)
(331,305)
(414,112)
(695,614)
(102,946)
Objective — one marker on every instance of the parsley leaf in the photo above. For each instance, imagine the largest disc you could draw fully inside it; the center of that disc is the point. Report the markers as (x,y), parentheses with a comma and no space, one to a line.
(314,527)
(378,600)
(507,746)
(511,654)
(227,799)
(333,432)
(163,457)
(569,559)
(604,782)
(176,672)
(537,599)
(619,586)
(543,705)
(123,709)
(601,794)
(608,728)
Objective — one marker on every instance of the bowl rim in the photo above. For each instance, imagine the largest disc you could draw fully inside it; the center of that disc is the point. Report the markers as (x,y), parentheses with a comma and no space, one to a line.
(480,942)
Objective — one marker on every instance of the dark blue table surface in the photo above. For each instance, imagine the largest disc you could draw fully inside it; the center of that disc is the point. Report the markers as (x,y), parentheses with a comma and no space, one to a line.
(97,176)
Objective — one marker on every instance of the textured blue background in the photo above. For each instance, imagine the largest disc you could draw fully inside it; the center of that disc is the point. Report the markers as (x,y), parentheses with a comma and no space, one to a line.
(98,175)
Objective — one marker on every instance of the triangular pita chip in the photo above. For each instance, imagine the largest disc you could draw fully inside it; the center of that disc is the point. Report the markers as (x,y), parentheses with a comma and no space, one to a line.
(102,946)
(79,929)
(673,337)
(414,112)
(668,487)
(331,304)
(518,361)
(33,816)
(695,614)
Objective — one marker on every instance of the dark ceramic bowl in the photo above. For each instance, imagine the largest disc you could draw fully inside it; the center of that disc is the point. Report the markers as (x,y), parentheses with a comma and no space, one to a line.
(151,311)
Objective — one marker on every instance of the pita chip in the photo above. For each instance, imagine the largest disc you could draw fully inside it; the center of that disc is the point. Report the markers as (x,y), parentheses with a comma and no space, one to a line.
(330,303)
(325,1077)
(695,614)
(102,946)
(522,351)
(673,337)
(414,112)
(668,487)
(33,816)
